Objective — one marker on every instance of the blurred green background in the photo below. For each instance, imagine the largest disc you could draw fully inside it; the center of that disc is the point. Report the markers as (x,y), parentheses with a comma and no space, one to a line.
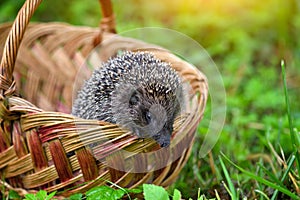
(247,40)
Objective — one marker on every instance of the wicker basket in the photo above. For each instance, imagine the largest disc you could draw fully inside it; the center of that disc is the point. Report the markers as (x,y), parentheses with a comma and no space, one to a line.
(41,146)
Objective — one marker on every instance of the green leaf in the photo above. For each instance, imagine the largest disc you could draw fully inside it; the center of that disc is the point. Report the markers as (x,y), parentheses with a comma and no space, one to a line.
(155,192)
(104,192)
(176,195)
(41,195)
(30,197)
(13,195)
(51,195)
(135,191)
(76,197)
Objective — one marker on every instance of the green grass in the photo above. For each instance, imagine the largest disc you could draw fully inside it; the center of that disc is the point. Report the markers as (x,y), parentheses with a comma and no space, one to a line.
(260,138)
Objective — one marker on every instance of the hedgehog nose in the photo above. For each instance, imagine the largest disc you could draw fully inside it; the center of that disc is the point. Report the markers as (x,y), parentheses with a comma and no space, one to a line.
(164,144)
(164,138)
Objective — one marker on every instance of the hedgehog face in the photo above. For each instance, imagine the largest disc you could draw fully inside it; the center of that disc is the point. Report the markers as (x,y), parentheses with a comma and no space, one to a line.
(152,117)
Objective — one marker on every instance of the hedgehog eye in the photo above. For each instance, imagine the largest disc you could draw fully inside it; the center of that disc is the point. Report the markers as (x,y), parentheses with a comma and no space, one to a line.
(134,99)
(148,117)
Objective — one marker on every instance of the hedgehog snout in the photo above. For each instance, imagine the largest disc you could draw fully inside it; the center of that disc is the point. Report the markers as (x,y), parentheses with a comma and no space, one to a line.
(152,122)
(163,138)
(161,125)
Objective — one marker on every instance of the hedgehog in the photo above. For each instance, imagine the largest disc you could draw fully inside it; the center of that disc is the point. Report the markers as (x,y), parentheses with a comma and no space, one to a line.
(135,90)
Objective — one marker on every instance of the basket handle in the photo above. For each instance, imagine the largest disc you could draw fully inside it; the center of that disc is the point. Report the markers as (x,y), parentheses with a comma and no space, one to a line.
(15,36)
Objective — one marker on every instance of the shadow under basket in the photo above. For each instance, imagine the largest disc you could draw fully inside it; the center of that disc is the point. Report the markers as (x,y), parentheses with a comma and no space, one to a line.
(44,147)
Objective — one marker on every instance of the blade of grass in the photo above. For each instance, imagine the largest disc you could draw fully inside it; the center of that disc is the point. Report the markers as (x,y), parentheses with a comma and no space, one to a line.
(227,189)
(290,163)
(217,195)
(262,180)
(272,176)
(238,193)
(260,173)
(262,193)
(294,137)
(229,182)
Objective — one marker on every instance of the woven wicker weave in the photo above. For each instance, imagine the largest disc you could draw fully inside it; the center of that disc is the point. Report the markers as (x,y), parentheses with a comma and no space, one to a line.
(41,145)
